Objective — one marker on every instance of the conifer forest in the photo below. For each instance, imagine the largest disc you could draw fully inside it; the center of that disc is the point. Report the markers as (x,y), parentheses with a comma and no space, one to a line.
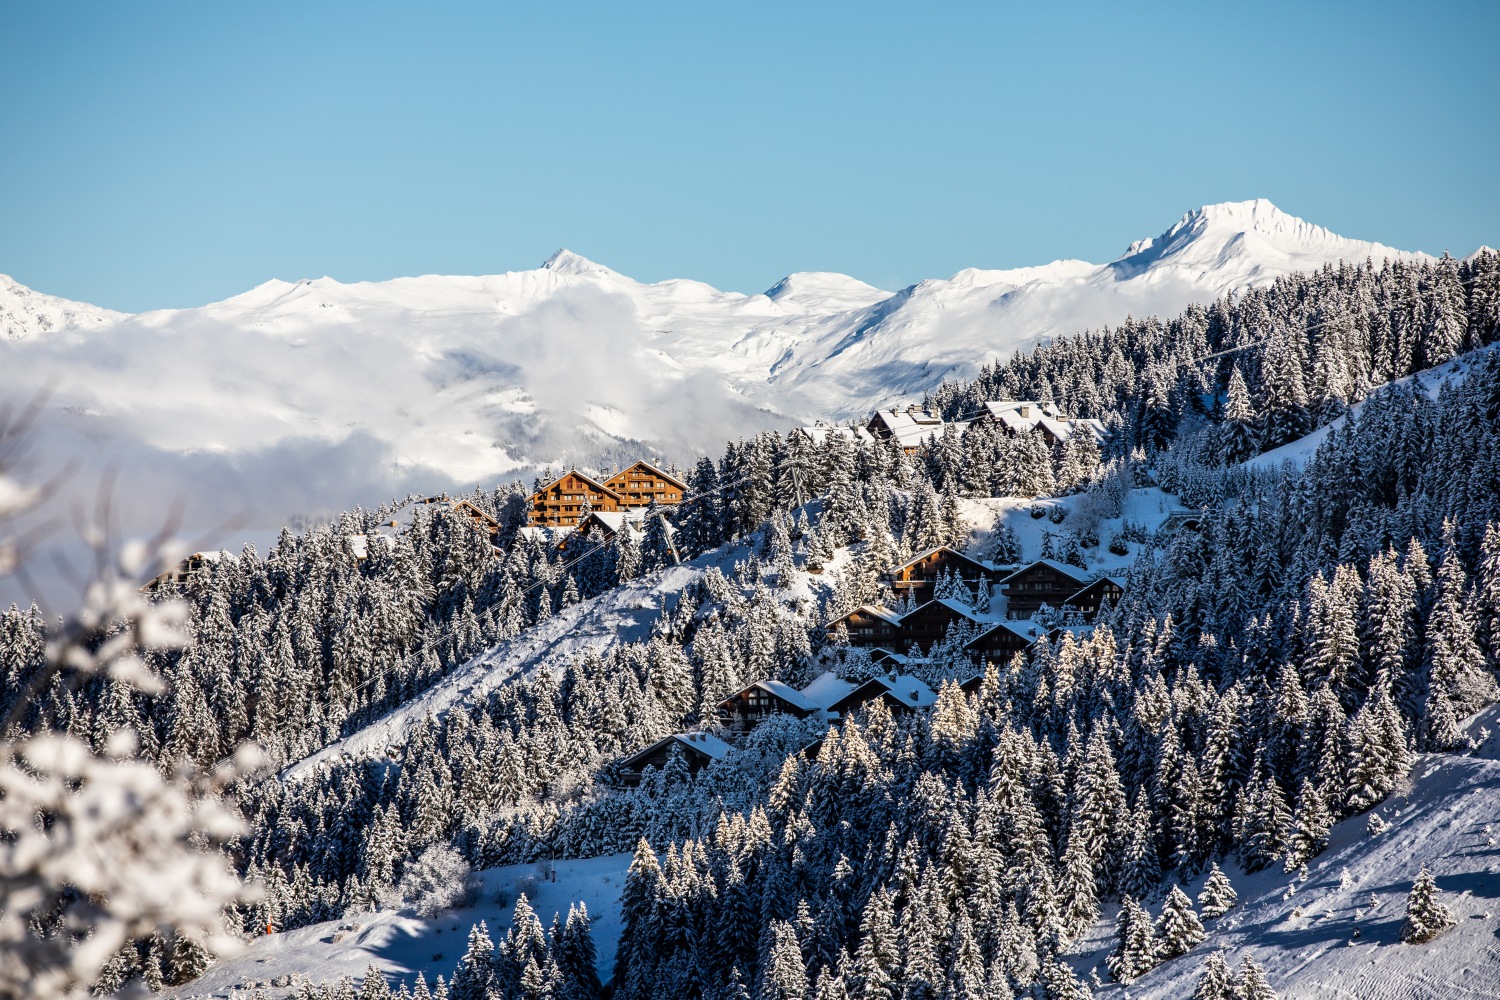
(1330,617)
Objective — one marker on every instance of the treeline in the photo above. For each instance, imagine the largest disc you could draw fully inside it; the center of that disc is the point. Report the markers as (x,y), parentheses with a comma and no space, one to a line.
(1263,679)
(1290,357)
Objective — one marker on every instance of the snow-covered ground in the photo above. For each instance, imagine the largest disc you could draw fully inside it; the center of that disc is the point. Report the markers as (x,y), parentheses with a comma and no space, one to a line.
(626,613)
(1337,934)
(306,397)
(402,946)
(1299,451)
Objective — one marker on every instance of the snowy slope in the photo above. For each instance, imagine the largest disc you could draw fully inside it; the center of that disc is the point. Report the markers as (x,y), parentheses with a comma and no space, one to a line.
(306,397)
(25,313)
(403,946)
(1299,451)
(1326,939)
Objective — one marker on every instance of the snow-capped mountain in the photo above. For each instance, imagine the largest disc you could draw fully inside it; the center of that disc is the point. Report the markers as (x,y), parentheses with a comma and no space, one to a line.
(314,394)
(26,313)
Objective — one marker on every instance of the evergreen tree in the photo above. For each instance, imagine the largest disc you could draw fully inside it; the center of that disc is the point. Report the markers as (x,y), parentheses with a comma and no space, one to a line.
(1426,915)
(1251,983)
(1135,951)
(1216,982)
(1178,929)
(1218,896)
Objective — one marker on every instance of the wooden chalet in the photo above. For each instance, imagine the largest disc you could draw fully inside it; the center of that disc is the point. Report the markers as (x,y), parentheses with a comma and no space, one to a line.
(1000,643)
(911,428)
(930,623)
(186,570)
(1088,600)
(900,693)
(698,751)
(479,519)
(748,708)
(919,575)
(640,484)
(869,626)
(560,503)
(1027,416)
(1045,581)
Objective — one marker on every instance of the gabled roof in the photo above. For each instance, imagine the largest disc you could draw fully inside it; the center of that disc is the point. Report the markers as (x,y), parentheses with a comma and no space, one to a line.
(1071,572)
(877,610)
(472,510)
(1008,627)
(706,744)
(654,471)
(941,548)
(779,689)
(901,688)
(1092,584)
(999,407)
(588,479)
(825,689)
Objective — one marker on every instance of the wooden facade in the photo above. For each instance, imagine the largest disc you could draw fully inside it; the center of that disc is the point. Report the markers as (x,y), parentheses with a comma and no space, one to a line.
(698,751)
(638,485)
(747,709)
(869,626)
(999,644)
(919,576)
(930,623)
(560,503)
(1045,581)
(1089,599)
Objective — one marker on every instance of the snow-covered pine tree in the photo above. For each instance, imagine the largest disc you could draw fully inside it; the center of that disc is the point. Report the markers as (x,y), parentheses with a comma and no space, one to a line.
(1426,915)
(1218,896)
(1216,981)
(1135,951)
(1251,983)
(1178,929)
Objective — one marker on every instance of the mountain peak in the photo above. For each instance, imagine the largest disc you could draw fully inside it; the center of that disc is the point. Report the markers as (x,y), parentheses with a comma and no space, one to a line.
(25,312)
(1256,232)
(565,261)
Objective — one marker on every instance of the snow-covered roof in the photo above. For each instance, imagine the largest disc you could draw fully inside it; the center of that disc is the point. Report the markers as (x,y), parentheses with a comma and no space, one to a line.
(705,743)
(998,408)
(825,689)
(1072,572)
(1012,627)
(878,610)
(819,433)
(360,544)
(908,690)
(934,551)
(788,694)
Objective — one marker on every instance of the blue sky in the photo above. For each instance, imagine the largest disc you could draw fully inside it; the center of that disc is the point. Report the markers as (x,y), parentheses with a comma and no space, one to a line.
(160,154)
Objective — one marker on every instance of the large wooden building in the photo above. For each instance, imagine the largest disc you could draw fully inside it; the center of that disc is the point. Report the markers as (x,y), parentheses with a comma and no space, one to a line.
(1045,581)
(919,575)
(560,503)
(698,751)
(640,484)
(869,625)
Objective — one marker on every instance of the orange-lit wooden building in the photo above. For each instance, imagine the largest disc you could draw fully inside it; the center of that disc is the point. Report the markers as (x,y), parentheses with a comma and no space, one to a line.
(638,485)
(560,503)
